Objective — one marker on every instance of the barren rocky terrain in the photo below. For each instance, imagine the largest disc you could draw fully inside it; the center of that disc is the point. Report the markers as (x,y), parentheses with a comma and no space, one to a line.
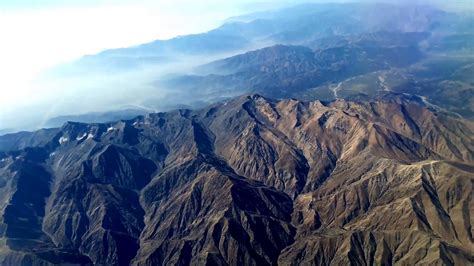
(250,181)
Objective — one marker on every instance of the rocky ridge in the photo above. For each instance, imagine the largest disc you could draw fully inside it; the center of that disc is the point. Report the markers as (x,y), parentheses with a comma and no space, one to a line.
(250,181)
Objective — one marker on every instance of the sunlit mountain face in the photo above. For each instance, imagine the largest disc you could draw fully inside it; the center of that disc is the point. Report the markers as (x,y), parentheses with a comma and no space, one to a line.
(289,134)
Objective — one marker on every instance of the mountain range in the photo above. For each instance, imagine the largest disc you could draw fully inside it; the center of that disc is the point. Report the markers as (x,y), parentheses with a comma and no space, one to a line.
(320,134)
(249,181)
(307,52)
(297,25)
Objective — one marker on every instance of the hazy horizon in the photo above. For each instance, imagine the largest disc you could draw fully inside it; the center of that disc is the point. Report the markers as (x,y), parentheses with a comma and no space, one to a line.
(38,37)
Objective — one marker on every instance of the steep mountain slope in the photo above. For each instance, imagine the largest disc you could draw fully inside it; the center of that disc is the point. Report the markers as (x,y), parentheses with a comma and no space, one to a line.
(249,181)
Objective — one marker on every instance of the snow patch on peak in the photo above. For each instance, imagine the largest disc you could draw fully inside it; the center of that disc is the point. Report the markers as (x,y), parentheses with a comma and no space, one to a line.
(63,140)
(81,137)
